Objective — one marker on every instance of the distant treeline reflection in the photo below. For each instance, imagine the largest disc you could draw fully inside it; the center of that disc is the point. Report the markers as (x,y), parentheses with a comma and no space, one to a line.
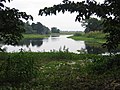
(96,48)
(34,42)
(91,48)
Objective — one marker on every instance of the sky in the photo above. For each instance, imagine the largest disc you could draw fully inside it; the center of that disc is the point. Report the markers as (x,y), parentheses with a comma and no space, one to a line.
(64,22)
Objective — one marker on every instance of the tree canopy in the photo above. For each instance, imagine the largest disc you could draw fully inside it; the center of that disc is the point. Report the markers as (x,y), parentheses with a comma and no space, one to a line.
(92,24)
(109,11)
(55,30)
(36,28)
(11,25)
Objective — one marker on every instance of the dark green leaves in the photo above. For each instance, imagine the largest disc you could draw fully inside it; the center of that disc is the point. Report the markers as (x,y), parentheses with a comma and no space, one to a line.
(69,6)
(5,0)
(1,5)
(11,25)
(110,8)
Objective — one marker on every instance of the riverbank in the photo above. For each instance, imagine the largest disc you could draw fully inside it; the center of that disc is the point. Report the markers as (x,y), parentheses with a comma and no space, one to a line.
(28,36)
(98,37)
(58,71)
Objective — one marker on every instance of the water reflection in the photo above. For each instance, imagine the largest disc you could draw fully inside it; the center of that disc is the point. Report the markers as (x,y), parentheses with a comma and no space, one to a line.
(47,44)
(57,43)
(55,35)
(34,42)
(96,48)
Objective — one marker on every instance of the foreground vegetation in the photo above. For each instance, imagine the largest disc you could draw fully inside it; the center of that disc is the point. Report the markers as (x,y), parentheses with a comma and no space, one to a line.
(58,71)
(90,37)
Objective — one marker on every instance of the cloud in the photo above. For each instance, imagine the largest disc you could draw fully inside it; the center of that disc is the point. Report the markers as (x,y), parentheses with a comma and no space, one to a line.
(64,22)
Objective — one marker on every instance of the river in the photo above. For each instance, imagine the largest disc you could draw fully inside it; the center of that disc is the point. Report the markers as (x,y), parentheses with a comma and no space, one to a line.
(52,43)
(56,43)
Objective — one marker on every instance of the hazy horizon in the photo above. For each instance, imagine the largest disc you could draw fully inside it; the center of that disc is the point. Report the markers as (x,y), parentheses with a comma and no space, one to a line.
(64,22)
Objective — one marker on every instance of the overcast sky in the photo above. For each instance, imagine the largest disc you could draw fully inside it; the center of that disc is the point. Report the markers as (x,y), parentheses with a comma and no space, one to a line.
(64,22)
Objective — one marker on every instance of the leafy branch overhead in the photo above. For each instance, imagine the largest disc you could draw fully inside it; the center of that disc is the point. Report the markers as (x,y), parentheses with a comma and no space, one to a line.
(11,25)
(1,4)
(109,11)
(84,9)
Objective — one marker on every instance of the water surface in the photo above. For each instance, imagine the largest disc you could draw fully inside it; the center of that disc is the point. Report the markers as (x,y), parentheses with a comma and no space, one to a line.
(47,44)
(57,43)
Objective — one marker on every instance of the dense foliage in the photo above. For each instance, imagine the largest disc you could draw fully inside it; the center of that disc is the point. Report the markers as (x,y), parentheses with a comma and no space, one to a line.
(58,71)
(109,11)
(55,30)
(93,36)
(11,25)
(37,28)
(92,24)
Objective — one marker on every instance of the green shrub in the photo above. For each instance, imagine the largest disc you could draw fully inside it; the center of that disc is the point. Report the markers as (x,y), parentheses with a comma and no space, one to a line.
(95,34)
(103,64)
(78,34)
(58,71)
(16,70)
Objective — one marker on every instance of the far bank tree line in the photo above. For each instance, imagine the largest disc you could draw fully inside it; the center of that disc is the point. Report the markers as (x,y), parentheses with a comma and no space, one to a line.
(38,28)
(92,24)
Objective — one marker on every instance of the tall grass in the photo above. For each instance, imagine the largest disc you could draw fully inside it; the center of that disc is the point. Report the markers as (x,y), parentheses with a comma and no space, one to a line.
(95,34)
(16,69)
(91,36)
(58,71)
(34,36)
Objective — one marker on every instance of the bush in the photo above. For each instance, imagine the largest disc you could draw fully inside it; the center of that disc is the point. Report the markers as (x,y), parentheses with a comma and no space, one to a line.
(16,70)
(95,34)
(78,34)
(103,64)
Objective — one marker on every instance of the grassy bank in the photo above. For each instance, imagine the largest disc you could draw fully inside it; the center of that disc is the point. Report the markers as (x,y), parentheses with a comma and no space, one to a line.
(91,37)
(28,36)
(58,71)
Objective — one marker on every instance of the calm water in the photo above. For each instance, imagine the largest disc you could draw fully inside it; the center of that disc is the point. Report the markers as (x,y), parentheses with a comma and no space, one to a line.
(45,45)
(57,43)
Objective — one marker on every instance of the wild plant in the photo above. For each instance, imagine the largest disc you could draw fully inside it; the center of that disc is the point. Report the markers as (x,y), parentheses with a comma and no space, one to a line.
(18,68)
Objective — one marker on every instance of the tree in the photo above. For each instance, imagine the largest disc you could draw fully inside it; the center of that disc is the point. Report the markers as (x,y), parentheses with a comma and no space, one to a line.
(55,30)
(11,25)
(28,28)
(39,28)
(46,30)
(92,24)
(109,11)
